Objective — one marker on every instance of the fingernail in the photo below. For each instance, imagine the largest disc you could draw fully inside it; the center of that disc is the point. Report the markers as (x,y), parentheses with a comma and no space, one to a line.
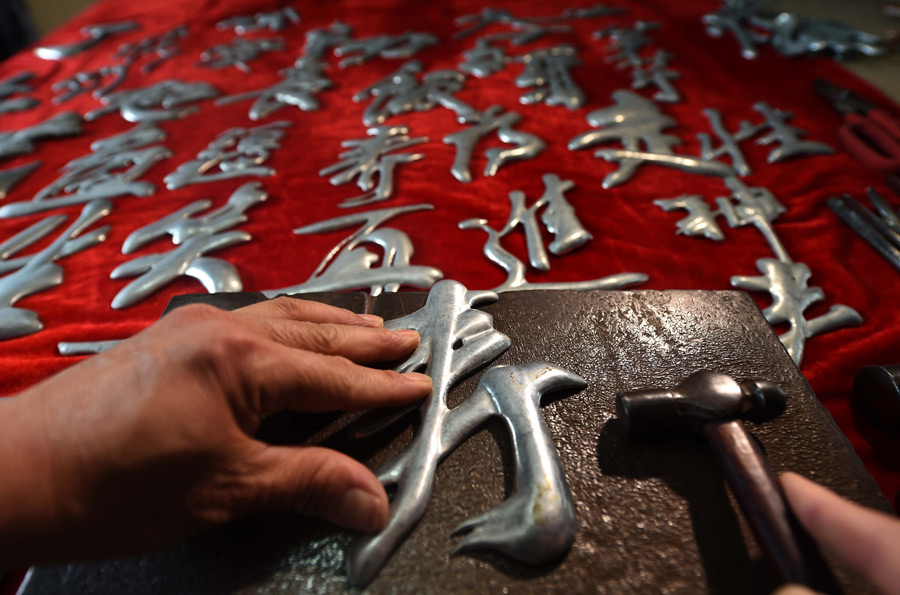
(372,320)
(361,510)
(407,333)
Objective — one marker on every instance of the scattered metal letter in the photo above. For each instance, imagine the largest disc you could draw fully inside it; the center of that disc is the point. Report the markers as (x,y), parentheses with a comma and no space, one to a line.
(239,52)
(524,31)
(28,275)
(548,70)
(404,45)
(658,75)
(787,136)
(528,146)
(94,34)
(10,177)
(350,266)
(21,142)
(135,105)
(484,59)
(234,153)
(275,20)
(534,525)
(16,84)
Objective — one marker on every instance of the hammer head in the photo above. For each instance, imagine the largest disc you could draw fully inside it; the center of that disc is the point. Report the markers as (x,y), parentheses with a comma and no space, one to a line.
(703,397)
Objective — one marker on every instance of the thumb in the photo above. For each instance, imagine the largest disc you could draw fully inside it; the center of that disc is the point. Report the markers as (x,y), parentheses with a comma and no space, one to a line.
(320,482)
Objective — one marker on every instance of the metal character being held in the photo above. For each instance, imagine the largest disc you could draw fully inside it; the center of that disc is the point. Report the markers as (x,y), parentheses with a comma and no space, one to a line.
(536,524)
(112,169)
(637,122)
(370,156)
(349,265)
(27,275)
(528,145)
(784,279)
(274,21)
(404,45)
(401,93)
(136,105)
(237,152)
(94,34)
(548,70)
(195,238)
(560,220)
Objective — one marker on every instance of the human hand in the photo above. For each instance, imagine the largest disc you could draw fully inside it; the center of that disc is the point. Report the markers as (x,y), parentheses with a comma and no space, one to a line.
(866,540)
(152,441)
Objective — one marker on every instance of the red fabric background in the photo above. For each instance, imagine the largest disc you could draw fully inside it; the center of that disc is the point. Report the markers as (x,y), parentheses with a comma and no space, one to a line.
(631,234)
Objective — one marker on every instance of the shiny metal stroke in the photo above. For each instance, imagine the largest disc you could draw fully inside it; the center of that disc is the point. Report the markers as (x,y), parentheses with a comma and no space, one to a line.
(18,104)
(86,347)
(404,45)
(94,34)
(161,47)
(659,76)
(274,21)
(700,220)
(96,176)
(234,153)
(136,105)
(635,122)
(484,59)
(456,341)
(90,81)
(729,141)
(734,16)
(528,145)
(786,136)
(9,178)
(794,35)
(21,142)
(401,93)
(349,265)
(598,10)
(371,156)
(39,272)
(627,42)
(182,224)
(525,30)
(548,70)
(16,83)
(238,52)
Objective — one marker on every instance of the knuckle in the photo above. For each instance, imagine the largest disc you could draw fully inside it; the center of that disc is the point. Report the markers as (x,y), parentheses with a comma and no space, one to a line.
(326,338)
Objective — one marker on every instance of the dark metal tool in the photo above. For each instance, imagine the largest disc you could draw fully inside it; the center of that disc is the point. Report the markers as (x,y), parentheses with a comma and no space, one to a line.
(876,389)
(881,232)
(712,404)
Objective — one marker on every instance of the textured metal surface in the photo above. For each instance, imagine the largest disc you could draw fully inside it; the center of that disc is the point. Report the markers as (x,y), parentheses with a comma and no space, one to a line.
(653,516)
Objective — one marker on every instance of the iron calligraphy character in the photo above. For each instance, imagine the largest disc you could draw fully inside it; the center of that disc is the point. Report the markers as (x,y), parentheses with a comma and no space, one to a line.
(548,70)
(28,275)
(239,52)
(161,47)
(90,81)
(628,43)
(401,92)
(484,59)
(404,45)
(195,237)
(786,136)
(371,156)
(235,153)
(275,20)
(528,145)
(734,16)
(560,220)
(9,178)
(136,105)
(659,76)
(94,34)
(637,122)
(349,265)
(21,142)
(13,85)
(98,175)
(793,35)
(524,31)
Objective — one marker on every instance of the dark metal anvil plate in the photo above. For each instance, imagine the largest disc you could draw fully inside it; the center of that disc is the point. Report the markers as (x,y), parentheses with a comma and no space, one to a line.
(652,516)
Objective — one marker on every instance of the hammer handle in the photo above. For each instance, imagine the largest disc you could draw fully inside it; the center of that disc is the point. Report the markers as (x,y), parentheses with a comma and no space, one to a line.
(785,542)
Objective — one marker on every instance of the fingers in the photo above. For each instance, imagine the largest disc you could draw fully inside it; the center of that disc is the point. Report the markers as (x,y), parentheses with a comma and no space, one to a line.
(302,380)
(359,344)
(285,308)
(866,540)
(319,482)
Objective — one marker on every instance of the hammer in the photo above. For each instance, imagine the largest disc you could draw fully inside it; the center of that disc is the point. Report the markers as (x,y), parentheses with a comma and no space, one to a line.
(712,404)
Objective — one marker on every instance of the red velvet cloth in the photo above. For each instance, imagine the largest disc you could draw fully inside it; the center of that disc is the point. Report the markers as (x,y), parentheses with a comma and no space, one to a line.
(630,233)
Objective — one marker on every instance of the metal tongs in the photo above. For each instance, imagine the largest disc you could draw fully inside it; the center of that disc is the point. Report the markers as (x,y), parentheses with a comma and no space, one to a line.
(881,231)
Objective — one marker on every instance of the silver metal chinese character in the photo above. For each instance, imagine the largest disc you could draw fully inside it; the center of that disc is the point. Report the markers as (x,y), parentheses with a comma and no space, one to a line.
(637,122)
(628,42)
(90,81)
(136,105)
(659,76)
(12,85)
(401,93)
(349,265)
(20,142)
(195,238)
(729,141)
(524,31)
(786,136)
(793,35)
(235,153)
(484,59)
(598,10)
(94,34)
(161,47)
(28,275)
(371,156)
(404,45)
(239,52)
(299,87)
(527,146)
(534,525)
(549,71)
(98,176)
(275,20)
(734,16)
